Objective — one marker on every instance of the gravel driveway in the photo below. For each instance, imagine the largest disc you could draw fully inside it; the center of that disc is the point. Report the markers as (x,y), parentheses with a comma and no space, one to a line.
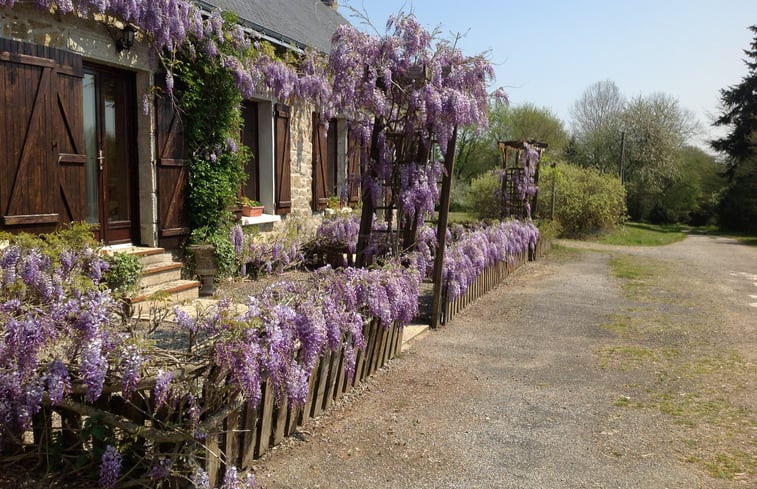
(564,377)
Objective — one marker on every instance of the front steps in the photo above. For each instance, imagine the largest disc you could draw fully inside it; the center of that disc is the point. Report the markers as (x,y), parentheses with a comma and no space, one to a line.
(160,285)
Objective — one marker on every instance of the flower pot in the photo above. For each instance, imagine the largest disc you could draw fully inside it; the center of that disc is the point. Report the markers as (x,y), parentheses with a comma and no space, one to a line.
(206,266)
(248,211)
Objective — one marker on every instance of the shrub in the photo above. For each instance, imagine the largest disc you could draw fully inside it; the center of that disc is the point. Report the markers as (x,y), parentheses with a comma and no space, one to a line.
(586,201)
(123,272)
(482,197)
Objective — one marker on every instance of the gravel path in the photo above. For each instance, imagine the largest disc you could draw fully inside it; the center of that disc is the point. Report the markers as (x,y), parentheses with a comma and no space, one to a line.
(521,392)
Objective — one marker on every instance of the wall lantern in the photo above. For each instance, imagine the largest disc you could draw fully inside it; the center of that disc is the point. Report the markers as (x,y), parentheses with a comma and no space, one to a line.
(127,39)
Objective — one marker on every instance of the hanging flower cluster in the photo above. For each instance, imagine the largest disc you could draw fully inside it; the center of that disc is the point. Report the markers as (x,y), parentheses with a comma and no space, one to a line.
(58,330)
(173,25)
(339,231)
(406,92)
(284,330)
(408,75)
(472,251)
(419,190)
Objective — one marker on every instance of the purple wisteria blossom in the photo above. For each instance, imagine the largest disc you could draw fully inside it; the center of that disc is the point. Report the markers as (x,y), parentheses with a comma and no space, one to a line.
(110,467)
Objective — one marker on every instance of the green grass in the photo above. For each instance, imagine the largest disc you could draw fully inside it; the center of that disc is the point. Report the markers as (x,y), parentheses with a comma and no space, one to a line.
(461,217)
(639,234)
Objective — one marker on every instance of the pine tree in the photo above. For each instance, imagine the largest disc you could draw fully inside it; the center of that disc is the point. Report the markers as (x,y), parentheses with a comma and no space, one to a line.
(740,114)
(738,204)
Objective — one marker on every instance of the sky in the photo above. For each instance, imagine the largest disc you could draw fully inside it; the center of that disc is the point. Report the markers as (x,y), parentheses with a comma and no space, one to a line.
(549,52)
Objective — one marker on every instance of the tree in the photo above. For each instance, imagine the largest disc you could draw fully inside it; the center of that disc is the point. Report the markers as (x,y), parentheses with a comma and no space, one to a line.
(597,126)
(656,129)
(690,196)
(740,114)
(738,208)
(478,153)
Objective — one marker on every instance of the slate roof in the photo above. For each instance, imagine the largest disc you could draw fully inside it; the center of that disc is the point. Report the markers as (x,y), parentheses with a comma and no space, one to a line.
(301,22)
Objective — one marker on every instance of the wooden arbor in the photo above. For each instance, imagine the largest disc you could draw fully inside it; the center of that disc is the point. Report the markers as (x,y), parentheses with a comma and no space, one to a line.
(517,169)
(408,148)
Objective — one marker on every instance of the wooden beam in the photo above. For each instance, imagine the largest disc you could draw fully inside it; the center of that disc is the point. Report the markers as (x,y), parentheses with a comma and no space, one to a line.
(441,228)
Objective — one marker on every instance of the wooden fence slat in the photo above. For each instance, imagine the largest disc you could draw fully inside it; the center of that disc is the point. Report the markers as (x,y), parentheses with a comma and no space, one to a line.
(213,460)
(293,415)
(382,346)
(369,348)
(359,361)
(328,392)
(375,348)
(279,420)
(323,372)
(305,411)
(341,377)
(251,423)
(389,343)
(266,420)
(231,441)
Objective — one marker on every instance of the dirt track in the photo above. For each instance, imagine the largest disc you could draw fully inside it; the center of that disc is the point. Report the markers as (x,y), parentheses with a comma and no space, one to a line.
(565,377)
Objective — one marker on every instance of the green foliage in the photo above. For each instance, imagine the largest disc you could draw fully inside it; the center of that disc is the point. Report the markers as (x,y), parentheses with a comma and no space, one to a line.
(586,201)
(482,199)
(478,153)
(210,102)
(663,178)
(224,249)
(548,229)
(124,272)
(692,195)
(738,206)
(740,115)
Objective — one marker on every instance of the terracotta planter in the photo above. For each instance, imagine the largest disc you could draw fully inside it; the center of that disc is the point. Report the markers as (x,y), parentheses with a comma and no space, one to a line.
(248,211)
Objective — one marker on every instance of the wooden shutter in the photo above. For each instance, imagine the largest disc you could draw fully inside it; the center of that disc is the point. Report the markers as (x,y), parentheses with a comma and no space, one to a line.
(320,164)
(69,134)
(354,154)
(41,129)
(172,174)
(250,138)
(283,161)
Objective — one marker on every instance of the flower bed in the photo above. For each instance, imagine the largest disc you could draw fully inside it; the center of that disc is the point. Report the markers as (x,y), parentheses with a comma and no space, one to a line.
(79,381)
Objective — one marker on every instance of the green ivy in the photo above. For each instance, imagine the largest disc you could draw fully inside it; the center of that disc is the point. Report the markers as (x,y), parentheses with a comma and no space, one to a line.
(210,102)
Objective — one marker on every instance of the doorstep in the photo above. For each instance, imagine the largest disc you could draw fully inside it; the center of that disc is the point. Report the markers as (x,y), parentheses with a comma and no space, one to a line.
(412,333)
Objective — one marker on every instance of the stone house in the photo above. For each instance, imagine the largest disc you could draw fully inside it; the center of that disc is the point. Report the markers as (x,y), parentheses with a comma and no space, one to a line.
(77,144)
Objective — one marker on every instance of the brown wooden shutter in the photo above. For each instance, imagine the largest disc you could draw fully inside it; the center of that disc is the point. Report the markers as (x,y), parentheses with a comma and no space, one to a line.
(320,164)
(41,129)
(354,152)
(172,174)
(69,134)
(250,138)
(283,161)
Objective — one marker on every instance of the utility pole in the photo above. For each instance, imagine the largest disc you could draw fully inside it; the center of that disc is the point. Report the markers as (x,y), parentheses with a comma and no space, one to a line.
(622,155)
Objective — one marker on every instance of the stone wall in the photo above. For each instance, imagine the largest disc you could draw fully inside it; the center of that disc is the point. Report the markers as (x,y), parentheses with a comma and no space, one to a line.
(96,42)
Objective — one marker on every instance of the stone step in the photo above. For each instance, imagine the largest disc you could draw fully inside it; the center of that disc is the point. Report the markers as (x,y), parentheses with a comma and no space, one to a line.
(160,272)
(166,294)
(149,256)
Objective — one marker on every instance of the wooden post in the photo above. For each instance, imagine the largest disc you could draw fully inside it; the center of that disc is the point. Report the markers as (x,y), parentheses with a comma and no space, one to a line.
(441,228)
(366,216)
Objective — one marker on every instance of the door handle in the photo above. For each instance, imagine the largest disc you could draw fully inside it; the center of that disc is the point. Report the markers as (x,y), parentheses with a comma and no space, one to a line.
(100,160)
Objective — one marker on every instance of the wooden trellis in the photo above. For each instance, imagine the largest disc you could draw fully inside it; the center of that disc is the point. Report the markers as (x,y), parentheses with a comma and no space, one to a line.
(513,171)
